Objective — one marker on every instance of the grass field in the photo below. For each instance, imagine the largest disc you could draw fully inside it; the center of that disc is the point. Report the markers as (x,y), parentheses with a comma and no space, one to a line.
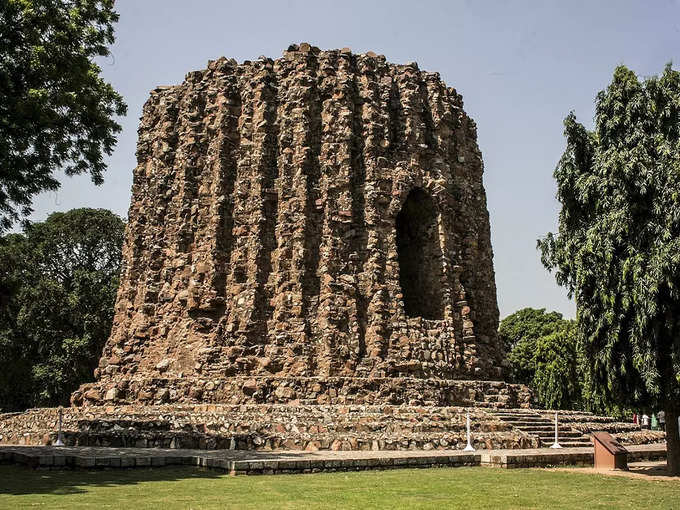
(170,488)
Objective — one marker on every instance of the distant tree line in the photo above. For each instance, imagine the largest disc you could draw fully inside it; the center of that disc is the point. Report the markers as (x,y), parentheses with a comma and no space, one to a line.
(58,279)
(546,353)
(58,282)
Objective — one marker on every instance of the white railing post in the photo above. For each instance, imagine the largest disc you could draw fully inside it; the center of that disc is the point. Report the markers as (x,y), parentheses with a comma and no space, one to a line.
(469,447)
(60,434)
(556,444)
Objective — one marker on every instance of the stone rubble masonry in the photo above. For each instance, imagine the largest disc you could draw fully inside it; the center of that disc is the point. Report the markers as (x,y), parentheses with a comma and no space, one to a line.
(262,427)
(276,427)
(317,220)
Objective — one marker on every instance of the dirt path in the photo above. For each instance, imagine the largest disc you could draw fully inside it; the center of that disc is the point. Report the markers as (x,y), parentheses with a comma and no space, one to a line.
(648,470)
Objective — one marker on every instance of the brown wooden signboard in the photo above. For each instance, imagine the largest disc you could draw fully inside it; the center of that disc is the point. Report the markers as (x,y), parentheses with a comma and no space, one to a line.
(609,454)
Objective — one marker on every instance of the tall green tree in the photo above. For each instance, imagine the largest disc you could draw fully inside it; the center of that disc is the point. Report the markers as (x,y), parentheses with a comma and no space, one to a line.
(58,283)
(544,354)
(617,249)
(528,324)
(55,109)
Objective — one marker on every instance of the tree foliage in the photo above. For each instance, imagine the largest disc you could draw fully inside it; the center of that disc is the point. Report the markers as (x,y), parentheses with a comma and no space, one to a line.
(545,355)
(558,363)
(528,323)
(55,109)
(617,249)
(58,283)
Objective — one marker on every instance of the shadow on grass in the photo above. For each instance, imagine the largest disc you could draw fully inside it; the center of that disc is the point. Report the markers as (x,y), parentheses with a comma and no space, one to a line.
(23,480)
(657,470)
(19,479)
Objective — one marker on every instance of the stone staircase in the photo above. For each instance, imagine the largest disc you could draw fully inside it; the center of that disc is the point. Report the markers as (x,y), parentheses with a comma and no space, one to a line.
(541,428)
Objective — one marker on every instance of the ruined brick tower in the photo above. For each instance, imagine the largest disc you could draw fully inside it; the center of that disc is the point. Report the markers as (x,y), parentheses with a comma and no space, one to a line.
(309,228)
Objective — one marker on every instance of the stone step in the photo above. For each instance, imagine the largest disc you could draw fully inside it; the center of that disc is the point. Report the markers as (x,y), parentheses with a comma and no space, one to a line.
(251,418)
(541,427)
(521,418)
(563,433)
(551,430)
(338,428)
(506,414)
(572,444)
(290,419)
(545,429)
(572,415)
(567,439)
(297,411)
(573,433)
(536,421)
(529,423)
(607,427)
(247,418)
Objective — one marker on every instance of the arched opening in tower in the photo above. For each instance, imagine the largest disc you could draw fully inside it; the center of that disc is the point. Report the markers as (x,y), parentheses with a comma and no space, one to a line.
(420,256)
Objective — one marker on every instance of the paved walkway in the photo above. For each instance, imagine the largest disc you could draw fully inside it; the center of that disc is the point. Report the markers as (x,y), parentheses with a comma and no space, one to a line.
(260,462)
(646,470)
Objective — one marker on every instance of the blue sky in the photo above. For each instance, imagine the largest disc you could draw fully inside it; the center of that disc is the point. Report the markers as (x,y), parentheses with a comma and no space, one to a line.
(521,67)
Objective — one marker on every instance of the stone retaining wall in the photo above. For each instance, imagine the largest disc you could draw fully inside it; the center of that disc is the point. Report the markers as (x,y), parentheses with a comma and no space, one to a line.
(263,427)
(252,463)
(279,427)
(316,390)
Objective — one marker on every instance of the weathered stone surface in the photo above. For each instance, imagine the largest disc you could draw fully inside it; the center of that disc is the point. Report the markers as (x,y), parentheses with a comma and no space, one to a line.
(315,390)
(267,427)
(318,215)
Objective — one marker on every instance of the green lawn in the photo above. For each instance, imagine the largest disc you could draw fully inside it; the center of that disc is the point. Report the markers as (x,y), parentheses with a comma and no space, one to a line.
(169,488)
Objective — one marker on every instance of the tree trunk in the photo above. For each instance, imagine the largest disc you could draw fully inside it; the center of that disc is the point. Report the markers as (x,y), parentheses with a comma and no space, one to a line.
(672,439)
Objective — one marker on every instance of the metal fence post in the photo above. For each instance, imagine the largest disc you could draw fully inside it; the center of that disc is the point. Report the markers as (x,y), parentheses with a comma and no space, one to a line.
(556,444)
(469,447)
(60,434)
